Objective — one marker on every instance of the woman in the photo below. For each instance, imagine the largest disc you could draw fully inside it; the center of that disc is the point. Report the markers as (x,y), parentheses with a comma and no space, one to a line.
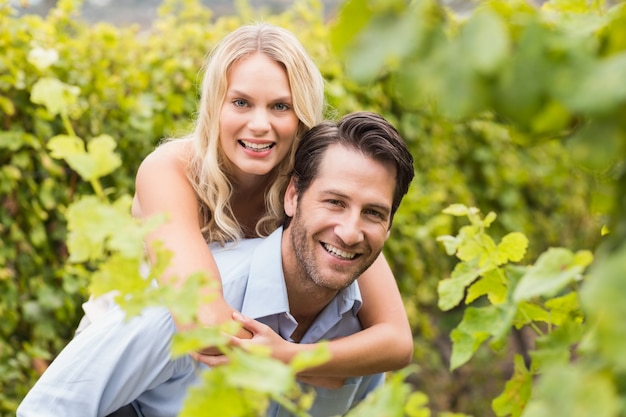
(226,181)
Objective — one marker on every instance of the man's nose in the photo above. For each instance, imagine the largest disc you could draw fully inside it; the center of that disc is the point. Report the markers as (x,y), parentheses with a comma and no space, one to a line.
(349,229)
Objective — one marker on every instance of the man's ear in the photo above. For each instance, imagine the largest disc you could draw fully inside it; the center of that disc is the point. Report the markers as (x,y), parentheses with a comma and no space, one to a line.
(291,198)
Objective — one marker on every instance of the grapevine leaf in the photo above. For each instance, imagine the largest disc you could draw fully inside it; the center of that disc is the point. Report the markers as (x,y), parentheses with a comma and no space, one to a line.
(105,160)
(485,41)
(563,308)
(464,344)
(90,223)
(42,58)
(602,298)
(554,270)
(198,338)
(118,273)
(491,285)
(529,313)
(392,399)
(458,210)
(512,247)
(310,358)
(573,391)
(556,347)
(251,371)
(451,289)
(97,161)
(450,243)
(477,325)
(516,391)
(55,95)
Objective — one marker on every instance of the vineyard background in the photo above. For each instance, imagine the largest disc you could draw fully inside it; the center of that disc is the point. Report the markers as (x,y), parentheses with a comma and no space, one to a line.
(526,124)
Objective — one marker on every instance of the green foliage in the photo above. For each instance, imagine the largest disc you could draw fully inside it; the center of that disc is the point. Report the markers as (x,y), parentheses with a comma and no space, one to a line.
(542,296)
(508,107)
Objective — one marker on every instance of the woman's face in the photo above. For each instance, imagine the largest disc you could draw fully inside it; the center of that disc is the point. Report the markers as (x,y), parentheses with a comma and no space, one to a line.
(258,123)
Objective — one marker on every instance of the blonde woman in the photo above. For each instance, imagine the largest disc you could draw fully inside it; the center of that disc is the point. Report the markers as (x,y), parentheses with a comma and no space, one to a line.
(226,181)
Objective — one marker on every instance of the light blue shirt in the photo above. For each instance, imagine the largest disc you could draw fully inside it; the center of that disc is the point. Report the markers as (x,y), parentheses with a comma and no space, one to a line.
(114,362)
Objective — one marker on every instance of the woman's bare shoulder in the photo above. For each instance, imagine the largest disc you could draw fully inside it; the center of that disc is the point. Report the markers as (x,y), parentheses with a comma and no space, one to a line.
(175,152)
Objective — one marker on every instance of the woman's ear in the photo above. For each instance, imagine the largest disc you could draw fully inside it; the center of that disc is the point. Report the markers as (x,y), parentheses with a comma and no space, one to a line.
(291,198)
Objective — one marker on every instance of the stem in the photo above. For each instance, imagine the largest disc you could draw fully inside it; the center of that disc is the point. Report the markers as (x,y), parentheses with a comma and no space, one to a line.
(67,124)
(533,325)
(95,184)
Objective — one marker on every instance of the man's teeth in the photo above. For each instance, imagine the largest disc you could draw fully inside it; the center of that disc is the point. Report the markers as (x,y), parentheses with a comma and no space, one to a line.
(259,147)
(338,252)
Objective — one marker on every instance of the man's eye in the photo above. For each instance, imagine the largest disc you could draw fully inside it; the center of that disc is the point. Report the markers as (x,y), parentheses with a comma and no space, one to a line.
(334,202)
(375,213)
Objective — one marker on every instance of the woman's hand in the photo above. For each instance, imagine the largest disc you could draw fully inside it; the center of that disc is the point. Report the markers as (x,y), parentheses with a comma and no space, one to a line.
(262,335)
(280,349)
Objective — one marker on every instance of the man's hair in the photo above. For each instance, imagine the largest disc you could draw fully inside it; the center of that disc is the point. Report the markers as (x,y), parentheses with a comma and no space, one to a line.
(369,133)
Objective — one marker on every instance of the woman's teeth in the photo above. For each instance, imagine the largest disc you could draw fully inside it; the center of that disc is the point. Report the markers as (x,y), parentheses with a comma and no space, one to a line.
(257,147)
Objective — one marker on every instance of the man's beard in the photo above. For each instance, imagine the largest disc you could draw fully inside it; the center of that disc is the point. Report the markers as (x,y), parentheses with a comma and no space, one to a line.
(307,262)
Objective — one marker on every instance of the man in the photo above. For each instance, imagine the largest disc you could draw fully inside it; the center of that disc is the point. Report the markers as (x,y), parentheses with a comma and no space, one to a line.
(349,179)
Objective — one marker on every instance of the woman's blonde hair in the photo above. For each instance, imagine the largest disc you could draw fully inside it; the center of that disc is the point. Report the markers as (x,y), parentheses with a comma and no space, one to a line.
(208,168)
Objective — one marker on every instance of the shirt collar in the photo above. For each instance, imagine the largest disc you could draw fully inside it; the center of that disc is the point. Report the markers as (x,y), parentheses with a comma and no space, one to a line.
(267,284)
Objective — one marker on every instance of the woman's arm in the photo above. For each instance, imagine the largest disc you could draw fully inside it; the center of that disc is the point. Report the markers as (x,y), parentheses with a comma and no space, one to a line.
(386,341)
(162,187)
(385,344)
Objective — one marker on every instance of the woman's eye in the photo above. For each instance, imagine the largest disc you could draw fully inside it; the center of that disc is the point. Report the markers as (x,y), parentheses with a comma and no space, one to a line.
(239,102)
(281,107)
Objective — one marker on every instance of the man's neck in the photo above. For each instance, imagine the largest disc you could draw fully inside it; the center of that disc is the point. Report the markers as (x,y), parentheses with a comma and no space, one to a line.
(305,306)
(306,299)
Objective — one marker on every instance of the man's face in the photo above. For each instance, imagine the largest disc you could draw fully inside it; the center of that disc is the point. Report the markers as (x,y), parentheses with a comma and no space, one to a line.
(341,221)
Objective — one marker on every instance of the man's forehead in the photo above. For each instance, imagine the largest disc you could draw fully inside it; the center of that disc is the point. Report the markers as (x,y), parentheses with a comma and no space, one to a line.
(346,170)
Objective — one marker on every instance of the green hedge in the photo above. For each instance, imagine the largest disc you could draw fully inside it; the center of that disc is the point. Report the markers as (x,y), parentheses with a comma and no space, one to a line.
(140,85)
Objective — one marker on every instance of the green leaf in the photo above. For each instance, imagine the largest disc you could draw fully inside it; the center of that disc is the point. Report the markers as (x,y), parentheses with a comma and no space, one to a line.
(251,372)
(485,41)
(478,325)
(597,146)
(512,247)
(55,95)
(460,210)
(573,391)
(492,285)
(101,150)
(564,308)
(557,347)
(388,38)
(531,313)
(311,358)
(352,18)
(552,272)
(602,89)
(97,161)
(451,290)
(198,338)
(602,299)
(7,106)
(391,400)
(120,273)
(516,392)
(450,243)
